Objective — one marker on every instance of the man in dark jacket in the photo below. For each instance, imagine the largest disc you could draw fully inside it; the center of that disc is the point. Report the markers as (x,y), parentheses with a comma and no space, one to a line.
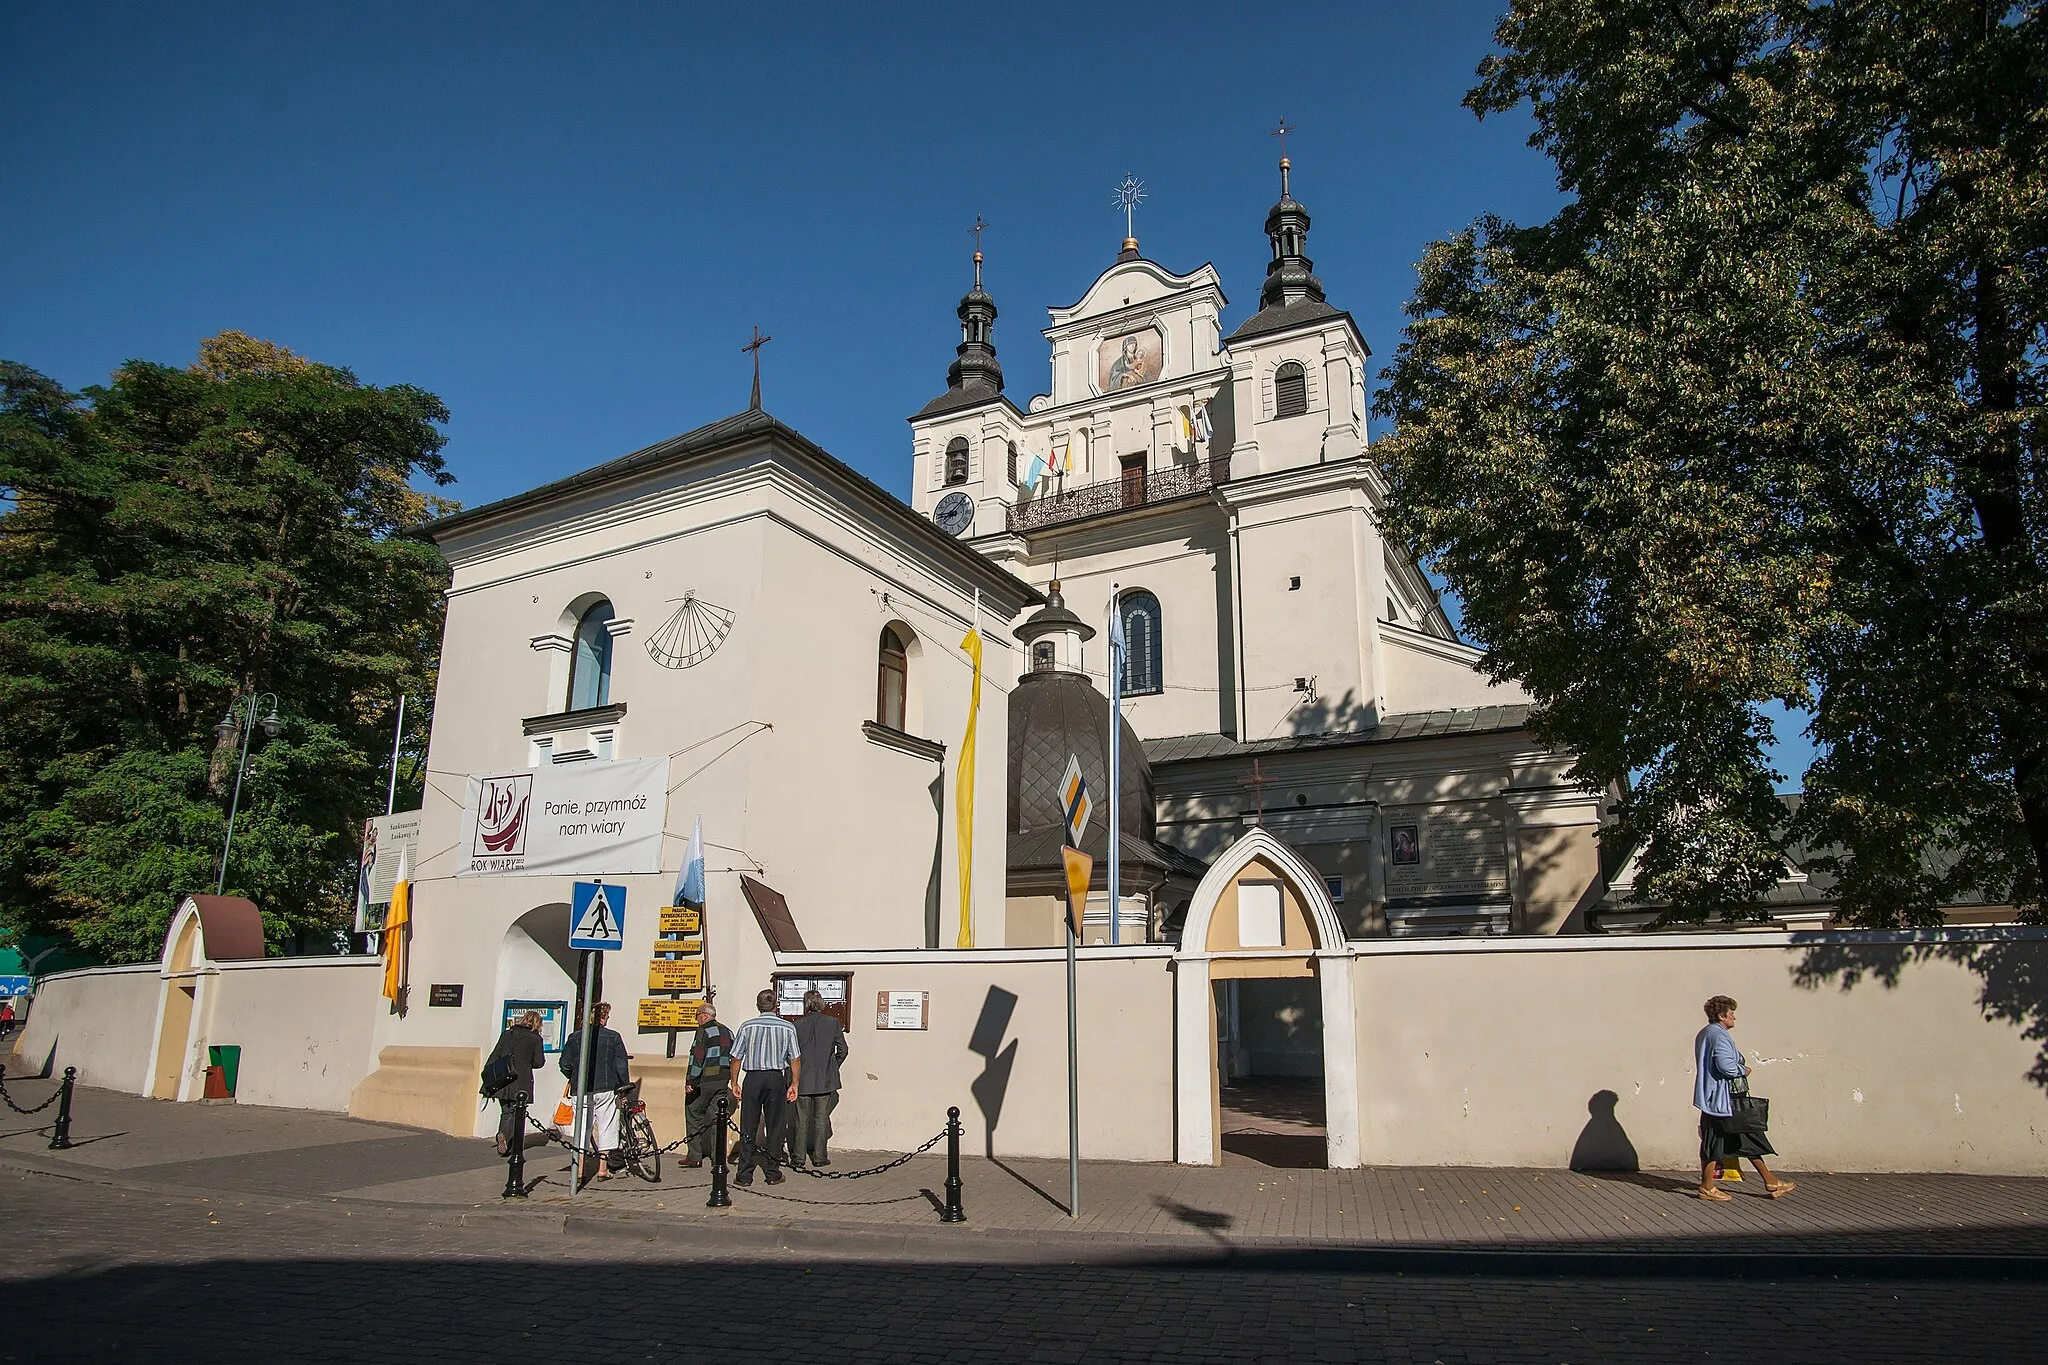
(710,1070)
(824,1048)
(608,1075)
(521,1045)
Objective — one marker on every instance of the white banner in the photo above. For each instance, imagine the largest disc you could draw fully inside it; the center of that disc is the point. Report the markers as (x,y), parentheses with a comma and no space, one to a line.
(569,819)
(383,837)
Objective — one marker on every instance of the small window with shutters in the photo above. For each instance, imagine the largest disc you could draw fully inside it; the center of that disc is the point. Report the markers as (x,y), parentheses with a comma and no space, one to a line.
(1290,390)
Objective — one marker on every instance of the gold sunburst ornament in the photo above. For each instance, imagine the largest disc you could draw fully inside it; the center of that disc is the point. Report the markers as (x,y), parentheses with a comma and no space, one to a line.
(692,635)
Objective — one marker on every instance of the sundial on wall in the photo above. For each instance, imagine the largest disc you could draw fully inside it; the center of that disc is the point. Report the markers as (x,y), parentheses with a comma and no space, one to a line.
(692,635)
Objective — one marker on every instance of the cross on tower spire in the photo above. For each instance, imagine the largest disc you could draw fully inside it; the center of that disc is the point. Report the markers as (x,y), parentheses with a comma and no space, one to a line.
(979,227)
(755,346)
(1281,132)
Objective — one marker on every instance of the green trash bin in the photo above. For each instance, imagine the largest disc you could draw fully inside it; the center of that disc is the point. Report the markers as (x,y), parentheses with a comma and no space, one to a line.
(228,1057)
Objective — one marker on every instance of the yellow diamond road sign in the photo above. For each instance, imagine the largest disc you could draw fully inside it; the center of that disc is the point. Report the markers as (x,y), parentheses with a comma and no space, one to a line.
(1074,801)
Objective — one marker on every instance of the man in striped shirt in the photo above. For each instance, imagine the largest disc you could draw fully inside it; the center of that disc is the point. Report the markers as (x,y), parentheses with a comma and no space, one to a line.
(766,1060)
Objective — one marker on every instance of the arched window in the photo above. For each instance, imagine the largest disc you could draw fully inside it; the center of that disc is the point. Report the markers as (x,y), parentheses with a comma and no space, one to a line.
(590,667)
(956,460)
(1140,612)
(1290,390)
(892,678)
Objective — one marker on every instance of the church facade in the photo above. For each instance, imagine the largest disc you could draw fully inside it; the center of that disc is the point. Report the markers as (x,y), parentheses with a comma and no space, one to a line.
(734,627)
(1286,665)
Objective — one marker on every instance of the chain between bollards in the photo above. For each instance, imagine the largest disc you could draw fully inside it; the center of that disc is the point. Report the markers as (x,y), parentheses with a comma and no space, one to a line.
(720,1199)
(953,1212)
(60,1131)
(515,1172)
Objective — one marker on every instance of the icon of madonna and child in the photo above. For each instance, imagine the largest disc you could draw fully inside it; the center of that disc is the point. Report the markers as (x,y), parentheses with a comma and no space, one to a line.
(1128,361)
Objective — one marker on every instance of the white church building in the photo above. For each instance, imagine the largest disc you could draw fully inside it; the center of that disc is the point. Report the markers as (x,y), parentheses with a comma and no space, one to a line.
(734,626)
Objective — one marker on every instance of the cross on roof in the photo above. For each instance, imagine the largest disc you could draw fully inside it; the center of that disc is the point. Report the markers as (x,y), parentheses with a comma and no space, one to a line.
(1281,132)
(980,226)
(1258,782)
(755,346)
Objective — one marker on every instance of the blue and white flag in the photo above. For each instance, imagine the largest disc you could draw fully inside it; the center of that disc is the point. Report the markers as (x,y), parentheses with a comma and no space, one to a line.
(1033,472)
(1116,649)
(690,881)
(1202,422)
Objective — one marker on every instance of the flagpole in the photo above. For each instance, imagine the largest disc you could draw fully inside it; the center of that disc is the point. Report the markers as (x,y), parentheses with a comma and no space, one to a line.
(1116,730)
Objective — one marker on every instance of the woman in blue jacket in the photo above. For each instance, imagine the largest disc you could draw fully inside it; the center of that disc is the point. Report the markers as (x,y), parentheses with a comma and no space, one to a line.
(1717,1061)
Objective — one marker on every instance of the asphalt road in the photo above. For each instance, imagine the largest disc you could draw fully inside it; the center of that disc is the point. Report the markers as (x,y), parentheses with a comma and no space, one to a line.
(97,1273)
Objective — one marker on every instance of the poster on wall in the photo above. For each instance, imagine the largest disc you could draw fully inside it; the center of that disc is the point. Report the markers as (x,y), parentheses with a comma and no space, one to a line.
(575,819)
(1446,851)
(384,837)
(554,1020)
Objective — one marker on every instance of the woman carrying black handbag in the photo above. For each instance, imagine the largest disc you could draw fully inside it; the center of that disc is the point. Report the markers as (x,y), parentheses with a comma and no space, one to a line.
(1732,1121)
(519,1045)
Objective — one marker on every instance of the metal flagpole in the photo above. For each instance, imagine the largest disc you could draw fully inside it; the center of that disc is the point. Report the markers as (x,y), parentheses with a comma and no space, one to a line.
(398,736)
(1117,646)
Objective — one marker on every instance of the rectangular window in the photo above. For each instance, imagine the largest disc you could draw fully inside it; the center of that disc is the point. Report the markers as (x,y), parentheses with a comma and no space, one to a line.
(1336,887)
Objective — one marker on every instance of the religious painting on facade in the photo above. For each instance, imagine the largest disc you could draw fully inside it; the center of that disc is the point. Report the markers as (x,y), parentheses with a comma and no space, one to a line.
(1126,361)
(1407,845)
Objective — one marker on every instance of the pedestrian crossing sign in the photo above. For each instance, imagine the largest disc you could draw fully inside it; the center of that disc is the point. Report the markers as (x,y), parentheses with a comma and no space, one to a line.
(597,917)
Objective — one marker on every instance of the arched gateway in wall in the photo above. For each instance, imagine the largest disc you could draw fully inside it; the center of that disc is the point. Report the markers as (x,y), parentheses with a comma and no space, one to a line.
(1261,914)
(205,930)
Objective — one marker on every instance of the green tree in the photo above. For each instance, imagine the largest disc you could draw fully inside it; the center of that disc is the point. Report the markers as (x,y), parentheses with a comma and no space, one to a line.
(168,542)
(1757,416)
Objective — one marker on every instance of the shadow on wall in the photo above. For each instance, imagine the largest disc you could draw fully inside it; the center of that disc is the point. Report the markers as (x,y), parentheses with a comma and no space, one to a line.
(993,1084)
(1603,1143)
(2014,974)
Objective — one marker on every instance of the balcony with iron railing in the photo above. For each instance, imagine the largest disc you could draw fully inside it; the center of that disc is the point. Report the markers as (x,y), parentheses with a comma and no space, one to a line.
(1128,491)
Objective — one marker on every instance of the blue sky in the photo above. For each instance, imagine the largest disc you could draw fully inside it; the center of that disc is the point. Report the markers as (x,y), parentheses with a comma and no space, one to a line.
(564,220)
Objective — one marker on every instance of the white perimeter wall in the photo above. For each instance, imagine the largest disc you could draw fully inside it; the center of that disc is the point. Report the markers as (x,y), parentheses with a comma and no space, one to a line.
(1490,1055)
(304,1026)
(97,1019)
(896,1085)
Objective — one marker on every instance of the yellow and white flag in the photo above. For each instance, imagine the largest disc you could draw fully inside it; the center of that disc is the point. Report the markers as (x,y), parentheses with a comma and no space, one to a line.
(398,927)
(963,795)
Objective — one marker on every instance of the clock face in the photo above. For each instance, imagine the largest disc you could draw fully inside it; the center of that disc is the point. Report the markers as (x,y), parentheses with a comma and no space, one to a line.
(954,514)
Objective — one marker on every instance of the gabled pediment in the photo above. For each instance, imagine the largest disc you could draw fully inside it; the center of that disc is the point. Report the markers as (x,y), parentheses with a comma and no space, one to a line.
(1133,284)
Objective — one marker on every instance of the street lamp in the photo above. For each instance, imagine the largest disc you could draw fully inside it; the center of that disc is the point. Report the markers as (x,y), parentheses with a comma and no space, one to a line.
(247,705)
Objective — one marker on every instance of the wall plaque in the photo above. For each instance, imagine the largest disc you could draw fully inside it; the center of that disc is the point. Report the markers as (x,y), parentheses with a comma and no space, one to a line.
(445,996)
(902,1009)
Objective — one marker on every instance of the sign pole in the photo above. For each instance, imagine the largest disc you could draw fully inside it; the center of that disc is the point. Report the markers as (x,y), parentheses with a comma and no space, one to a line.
(581,1128)
(1116,783)
(1079,868)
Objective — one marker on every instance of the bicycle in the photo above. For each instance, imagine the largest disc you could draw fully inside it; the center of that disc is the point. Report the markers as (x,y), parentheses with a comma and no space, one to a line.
(638,1147)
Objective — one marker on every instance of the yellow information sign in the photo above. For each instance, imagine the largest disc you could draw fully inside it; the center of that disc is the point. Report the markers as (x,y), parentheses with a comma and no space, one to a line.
(659,1014)
(668,975)
(681,919)
(688,947)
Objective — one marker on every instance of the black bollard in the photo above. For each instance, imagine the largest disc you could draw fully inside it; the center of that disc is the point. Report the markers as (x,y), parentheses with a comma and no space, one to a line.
(720,1199)
(515,1173)
(60,1131)
(953,1213)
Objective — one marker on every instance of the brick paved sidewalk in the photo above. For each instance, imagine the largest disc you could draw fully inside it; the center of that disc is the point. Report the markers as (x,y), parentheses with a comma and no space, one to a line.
(298,1156)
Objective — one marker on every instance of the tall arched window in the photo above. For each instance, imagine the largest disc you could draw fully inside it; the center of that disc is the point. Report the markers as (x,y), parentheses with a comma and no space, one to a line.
(1142,674)
(590,667)
(892,681)
(956,460)
(1290,390)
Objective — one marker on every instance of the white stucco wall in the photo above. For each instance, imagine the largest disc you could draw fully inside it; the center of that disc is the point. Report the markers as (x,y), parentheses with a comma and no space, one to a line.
(97,1019)
(304,1026)
(1488,1053)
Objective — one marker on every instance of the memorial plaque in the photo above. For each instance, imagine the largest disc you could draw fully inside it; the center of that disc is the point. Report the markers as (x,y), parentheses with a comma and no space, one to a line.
(1446,851)
(667,975)
(444,996)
